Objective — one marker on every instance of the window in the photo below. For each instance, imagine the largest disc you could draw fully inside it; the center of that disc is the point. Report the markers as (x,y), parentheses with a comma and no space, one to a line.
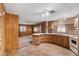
(22,28)
(61,28)
(35,29)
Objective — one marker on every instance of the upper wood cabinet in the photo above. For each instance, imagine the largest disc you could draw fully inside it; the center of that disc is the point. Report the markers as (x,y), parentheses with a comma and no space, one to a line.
(76,22)
(51,26)
(43,27)
(73,21)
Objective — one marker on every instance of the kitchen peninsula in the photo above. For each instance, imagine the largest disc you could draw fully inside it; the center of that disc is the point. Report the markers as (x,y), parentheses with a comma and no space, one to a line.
(58,39)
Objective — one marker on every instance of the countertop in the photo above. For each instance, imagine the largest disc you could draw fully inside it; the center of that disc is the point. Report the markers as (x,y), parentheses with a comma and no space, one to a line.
(74,36)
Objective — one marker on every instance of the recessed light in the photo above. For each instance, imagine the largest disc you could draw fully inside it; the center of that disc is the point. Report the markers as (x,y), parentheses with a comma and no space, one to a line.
(42,15)
(47,13)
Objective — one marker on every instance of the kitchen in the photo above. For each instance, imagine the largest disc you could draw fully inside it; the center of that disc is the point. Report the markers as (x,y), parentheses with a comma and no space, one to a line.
(48,24)
(61,32)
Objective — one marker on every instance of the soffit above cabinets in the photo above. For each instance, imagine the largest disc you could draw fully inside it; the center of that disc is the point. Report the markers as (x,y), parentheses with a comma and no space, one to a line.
(30,12)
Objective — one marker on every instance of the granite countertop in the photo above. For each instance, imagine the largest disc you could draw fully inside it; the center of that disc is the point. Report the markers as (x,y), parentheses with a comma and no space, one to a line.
(74,36)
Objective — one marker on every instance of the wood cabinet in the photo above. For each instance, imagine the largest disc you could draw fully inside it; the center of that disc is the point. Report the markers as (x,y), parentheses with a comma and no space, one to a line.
(59,39)
(76,22)
(54,39)
(65,41)
(51,38)
(43,27)
(36,40)
(44,38)
(9,31)
(12,33)
(51,26)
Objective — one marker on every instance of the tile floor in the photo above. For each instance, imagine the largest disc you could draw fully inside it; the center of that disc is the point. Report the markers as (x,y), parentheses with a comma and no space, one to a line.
(44,49)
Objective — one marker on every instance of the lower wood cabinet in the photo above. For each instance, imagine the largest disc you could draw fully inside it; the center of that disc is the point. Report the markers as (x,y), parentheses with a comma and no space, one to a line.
(59,39)
(53,39)
(65,41)
(36,40)
(44,38)
(48,38)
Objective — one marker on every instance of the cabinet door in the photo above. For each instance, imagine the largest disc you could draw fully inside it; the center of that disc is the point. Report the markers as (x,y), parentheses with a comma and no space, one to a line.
(50,26)
(53,39)
(76,22)
(44,38)
(43,27)
(65,41)
(59,37)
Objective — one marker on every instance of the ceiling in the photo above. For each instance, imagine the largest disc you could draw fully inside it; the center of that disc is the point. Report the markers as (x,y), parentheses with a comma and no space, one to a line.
(30,12)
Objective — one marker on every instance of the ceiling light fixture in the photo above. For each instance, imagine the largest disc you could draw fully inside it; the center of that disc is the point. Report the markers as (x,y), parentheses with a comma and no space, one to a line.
(47,13)
(51,11)
(42,15)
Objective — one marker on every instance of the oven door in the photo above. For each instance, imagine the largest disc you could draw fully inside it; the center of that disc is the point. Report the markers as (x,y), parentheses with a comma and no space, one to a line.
(73,42)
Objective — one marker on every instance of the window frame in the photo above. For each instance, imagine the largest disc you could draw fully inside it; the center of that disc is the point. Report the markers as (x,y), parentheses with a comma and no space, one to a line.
(61,28)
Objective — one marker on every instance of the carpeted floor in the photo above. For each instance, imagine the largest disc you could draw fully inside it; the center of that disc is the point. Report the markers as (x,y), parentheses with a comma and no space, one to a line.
(44,49)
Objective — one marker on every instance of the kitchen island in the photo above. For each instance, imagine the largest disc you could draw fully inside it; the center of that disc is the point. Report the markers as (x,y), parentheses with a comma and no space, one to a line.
(54,38)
